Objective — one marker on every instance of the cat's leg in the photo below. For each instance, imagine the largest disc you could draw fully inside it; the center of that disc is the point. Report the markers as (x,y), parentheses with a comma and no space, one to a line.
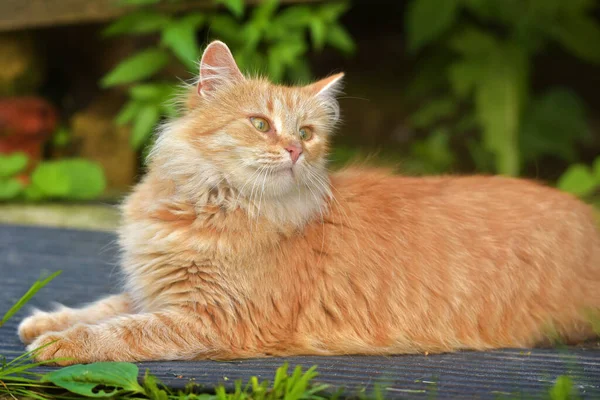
(64,317)
(136,337)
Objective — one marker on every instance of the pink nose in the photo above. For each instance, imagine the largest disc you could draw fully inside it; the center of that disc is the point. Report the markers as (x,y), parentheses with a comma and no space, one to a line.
(295,150)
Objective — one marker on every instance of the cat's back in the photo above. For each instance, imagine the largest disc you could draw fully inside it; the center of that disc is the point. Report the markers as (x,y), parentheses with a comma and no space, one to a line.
(456,197)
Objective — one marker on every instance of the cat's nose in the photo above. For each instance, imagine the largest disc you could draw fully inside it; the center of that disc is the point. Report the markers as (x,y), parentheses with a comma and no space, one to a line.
(295,149)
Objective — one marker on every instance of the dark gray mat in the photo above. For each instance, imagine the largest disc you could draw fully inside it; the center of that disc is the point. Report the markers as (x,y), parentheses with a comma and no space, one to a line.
(89,264)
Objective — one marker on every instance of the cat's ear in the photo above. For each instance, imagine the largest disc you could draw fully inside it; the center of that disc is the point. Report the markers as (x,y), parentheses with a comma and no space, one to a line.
(217,67)
(328,87)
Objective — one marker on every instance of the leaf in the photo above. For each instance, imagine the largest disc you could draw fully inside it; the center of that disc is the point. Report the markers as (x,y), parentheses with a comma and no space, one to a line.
(580,35)
(33,193)
(435,151)
(596,169)
(155,92)
(300,73)
(562,389)
(61,138)
(330,12)
(553,125)
(498,104)
(578,180)
(138,22)
(317,33)
(10,188)
(426,20)
(465,75)
(180,36)
(12,164)
(137,67)
(94,380)
(74,178)
(143,125)
(226,28)
(40,283)
(235,6)
(339,38)
(473,42)
(433,111)
(128,112)
(294,17)
(51,180)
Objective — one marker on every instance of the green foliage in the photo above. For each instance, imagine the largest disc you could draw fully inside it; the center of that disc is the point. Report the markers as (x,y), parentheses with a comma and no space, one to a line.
(76,179)
(39,284)
(101,379)
(580,179)
(139,66)
(485,50)
(267,39)
(563,389)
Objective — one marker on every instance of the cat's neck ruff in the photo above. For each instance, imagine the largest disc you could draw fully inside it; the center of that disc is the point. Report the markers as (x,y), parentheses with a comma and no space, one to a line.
(200,183)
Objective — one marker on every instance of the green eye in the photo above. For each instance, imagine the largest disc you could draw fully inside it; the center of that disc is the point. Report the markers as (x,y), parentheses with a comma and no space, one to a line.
(260,124)
(305,133)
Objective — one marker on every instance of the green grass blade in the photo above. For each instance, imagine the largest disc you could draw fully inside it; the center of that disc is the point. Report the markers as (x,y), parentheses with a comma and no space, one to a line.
(27,296)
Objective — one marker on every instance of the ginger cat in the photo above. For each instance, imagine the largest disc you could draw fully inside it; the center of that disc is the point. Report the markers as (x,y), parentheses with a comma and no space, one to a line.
(239,243)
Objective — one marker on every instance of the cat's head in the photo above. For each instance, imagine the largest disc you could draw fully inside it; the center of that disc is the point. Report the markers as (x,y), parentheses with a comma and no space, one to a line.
(262,139)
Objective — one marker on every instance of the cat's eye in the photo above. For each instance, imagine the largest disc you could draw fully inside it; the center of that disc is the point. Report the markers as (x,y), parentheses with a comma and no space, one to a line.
(260,124)
(305,133)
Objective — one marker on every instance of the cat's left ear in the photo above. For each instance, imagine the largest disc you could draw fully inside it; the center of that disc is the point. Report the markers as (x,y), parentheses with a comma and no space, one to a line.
(217,67)
(328,87)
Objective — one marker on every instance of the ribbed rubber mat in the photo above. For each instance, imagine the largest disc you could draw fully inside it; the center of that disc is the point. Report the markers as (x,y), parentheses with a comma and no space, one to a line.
(89,264)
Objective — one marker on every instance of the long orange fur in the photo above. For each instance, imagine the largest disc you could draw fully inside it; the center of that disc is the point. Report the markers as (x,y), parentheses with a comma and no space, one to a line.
(230,250)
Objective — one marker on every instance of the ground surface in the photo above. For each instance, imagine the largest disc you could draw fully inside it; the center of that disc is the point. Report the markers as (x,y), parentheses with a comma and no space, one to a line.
(88,260)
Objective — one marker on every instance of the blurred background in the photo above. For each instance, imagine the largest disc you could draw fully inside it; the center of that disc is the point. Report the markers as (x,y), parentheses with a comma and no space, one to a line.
(506,87)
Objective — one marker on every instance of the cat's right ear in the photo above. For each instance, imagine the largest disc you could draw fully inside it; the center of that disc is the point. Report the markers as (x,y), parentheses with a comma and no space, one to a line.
(216,68)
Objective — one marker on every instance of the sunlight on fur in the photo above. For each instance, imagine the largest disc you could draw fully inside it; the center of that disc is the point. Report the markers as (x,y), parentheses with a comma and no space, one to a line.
(239,243)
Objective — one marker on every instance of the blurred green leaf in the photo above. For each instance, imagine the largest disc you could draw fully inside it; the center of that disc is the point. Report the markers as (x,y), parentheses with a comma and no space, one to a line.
(180,36)
(426,20)
(33,193)
(144,124)
(330,12)
(552,125)
(235,6)
(596,169)
(128,112)
(137,67)
(84,380)
(473,42)
(299,72)
(226,28)
(562,389)
(318,31)
(338,37)
(464,75)
(75,178)
(10,188)
(498,104)
(294,16)
(578,180)
(264,12)
(580,35)
(138,22)
(152,92)
(12,164)
(61,138)
(435,151)
(433,111)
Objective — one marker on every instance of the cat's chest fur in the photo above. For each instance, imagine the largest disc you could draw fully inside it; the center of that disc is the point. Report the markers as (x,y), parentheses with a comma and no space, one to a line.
(180,254)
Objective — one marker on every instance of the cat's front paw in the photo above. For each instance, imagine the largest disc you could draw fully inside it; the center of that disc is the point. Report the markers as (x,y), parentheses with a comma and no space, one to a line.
(39,323)
(64,348)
